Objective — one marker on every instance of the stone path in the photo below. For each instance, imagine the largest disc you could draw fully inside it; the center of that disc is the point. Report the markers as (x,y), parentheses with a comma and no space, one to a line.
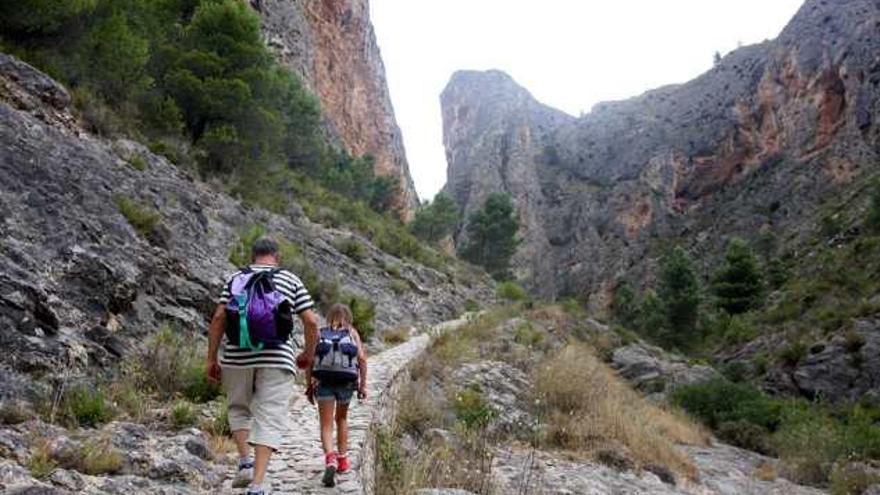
(297,467)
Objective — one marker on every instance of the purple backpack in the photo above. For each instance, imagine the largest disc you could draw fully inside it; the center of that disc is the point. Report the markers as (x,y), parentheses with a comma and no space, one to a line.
(258,316)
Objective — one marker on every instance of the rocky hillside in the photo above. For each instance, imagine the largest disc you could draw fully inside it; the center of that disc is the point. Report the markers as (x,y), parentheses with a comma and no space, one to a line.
(332,46)
(757,146)
(103,242)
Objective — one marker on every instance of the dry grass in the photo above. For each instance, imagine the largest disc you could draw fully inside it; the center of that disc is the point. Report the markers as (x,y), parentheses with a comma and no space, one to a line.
(766,471)
(587,408)
(465,465)
(396,335)
(95,456)
(418,409)
(220,445)
(40,462)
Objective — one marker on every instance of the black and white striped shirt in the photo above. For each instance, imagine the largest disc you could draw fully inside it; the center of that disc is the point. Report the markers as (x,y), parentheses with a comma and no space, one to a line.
(284,356)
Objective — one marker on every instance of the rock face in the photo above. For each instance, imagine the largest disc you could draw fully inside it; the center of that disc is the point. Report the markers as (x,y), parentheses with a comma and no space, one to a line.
(655,372)
(80,286)
(752,147)
(332,46)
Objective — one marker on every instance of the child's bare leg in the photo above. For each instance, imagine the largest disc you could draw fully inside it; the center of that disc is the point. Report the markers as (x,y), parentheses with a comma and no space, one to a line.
(325,412)
(342,428)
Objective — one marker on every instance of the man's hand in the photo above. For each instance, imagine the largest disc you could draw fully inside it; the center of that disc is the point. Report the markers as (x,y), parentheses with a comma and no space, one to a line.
(362,392)
(304,360)
(212,369)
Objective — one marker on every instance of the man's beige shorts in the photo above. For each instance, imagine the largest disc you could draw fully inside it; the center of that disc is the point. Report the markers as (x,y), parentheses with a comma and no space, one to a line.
(259,401)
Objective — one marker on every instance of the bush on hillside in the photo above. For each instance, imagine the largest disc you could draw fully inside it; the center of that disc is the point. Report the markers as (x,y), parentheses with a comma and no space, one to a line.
(511,291)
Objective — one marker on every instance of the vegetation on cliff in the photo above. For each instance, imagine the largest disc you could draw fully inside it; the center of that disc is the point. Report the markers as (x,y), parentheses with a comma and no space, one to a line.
(194,80)
(491,236)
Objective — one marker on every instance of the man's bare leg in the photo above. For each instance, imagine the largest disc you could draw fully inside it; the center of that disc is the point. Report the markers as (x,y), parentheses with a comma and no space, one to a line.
(241,444)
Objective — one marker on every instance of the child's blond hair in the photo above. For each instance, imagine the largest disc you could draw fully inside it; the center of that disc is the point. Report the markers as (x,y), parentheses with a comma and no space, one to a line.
(339,316)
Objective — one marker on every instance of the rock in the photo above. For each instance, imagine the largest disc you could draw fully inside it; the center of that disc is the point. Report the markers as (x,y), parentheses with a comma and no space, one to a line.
(443,491)
(332,46)
(439,438)
(34,82)
(80,287)
(656,372)
(762,139)
(615,459)
(197,447)
(504,389)
(872,490)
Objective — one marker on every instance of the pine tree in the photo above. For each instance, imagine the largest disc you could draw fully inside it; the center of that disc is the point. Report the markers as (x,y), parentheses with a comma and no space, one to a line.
(491,236)
(679,291)
(437,219)
(739,284)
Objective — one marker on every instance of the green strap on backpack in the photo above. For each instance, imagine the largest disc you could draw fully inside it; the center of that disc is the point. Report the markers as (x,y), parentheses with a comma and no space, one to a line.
(244,335)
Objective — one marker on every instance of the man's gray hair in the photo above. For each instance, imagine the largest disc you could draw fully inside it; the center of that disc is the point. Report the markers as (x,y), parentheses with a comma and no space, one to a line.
(265,246)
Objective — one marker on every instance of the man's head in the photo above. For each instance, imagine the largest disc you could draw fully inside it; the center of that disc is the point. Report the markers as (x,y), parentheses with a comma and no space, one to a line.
(265,251)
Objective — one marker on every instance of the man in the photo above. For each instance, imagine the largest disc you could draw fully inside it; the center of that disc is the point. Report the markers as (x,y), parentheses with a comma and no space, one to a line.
(259,383)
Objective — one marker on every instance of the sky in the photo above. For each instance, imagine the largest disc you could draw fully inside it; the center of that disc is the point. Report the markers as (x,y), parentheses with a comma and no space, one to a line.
(570,54)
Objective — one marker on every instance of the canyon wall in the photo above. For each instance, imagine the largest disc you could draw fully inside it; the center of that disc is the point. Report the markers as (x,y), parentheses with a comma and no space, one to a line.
(332,46)
(754,147)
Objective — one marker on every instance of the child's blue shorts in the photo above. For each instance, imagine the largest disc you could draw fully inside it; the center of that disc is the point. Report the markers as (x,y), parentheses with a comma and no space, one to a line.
(340,393)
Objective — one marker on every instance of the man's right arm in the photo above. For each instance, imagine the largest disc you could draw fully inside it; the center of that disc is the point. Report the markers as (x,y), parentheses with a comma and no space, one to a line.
(215,335)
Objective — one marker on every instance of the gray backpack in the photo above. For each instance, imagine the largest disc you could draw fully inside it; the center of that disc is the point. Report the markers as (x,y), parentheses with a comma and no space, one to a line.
(336,356)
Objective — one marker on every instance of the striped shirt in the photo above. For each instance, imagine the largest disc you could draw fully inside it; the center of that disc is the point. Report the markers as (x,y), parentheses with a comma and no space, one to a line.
(284,356)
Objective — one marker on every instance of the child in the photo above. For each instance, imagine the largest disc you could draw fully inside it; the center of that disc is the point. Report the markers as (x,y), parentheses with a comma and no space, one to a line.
(339,368)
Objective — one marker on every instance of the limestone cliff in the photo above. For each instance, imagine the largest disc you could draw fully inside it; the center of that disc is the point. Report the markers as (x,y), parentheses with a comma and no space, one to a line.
(80,286)
(752,147)
(332,46)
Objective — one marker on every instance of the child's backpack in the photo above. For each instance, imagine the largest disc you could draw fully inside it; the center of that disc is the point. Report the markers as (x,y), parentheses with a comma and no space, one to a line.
(257,315)
(336,356)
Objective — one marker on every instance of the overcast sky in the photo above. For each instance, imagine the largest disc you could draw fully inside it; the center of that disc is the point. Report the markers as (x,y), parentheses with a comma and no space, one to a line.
(570,54)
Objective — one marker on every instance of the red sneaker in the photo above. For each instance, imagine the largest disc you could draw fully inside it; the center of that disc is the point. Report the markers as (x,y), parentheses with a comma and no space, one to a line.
(329,478)
(342,464)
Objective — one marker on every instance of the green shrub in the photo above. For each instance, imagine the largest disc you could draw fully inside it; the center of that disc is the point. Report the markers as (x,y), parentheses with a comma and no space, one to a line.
(852,478)
(218,425)
(173,363)
(471,306)
(183,414)
(399,286)
(511,291)
(363,312)
(472,409)
(142,218)
(528,335)
(747,435)
(86,406)
(720,401)
(137,162)
(95,456)
(792,354)
(352,248)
